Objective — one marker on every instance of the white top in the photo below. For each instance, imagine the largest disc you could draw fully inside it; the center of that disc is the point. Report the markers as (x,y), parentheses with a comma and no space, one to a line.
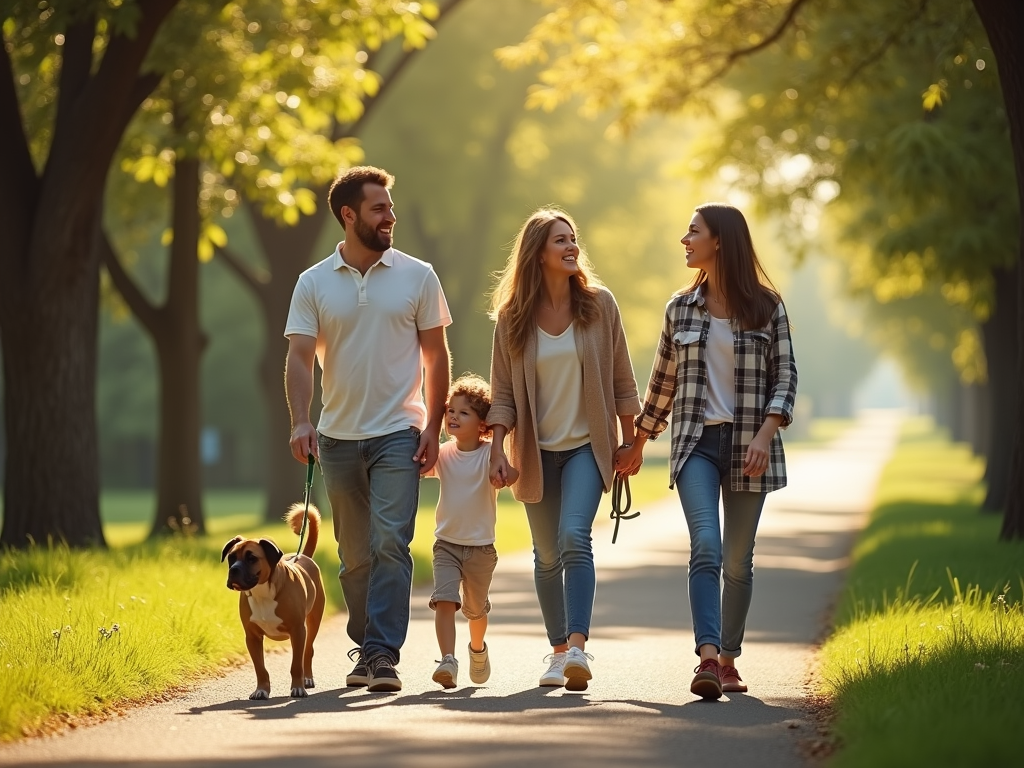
(721,403)
(561,415)
(467,507)
(367,340)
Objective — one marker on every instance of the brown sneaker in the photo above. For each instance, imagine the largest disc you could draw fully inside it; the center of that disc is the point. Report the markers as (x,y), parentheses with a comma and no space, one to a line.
(731,680)
(708,682)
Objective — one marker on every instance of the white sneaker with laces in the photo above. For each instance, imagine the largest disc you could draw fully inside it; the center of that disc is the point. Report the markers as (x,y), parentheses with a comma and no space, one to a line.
(479,665)
(447,673)
(555,676)
(576,669)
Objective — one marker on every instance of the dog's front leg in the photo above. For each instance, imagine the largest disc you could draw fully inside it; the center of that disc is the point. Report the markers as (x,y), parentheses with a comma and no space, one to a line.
(298,638)
(254,643)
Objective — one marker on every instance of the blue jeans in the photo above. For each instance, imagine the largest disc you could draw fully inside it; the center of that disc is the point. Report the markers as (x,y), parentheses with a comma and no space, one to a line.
(563,558)
(373,486)
(719,615)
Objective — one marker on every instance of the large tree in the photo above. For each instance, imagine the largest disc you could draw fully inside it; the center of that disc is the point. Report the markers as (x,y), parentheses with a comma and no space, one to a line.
(288,245)
(649,57)
(78,71)
(236,119)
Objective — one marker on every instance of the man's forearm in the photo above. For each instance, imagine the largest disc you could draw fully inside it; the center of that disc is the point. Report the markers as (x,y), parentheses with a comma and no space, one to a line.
(438,380)
(298,389)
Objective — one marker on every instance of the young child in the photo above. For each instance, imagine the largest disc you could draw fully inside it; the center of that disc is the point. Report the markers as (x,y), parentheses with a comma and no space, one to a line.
(466,509)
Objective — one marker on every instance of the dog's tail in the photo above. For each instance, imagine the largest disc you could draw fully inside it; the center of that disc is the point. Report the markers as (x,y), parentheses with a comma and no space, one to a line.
(294,519)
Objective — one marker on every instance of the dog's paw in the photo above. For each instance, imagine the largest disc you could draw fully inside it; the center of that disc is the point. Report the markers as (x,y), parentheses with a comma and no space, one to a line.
(299,693)
(308,682)
(259,695)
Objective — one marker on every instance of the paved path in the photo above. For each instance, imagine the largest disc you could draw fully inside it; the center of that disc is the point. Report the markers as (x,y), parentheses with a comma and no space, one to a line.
(638,711)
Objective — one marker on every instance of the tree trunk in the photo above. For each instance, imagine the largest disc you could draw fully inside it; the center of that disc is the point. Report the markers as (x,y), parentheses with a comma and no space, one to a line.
(174,329)
(49,322)
(49,279)
(180,342)
(1000,343)
(288,251)
(1004,24)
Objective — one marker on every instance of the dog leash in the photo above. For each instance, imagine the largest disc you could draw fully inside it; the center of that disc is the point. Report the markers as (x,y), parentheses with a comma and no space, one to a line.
(308,494)
(620,484)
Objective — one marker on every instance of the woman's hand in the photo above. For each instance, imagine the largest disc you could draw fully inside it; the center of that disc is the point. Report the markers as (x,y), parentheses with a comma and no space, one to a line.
(756,463)
(501,470)
(629,458)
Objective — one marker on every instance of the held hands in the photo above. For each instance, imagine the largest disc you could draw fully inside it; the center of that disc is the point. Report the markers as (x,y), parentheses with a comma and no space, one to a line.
(303,442)
(502,473)
(426,453)
(628,459)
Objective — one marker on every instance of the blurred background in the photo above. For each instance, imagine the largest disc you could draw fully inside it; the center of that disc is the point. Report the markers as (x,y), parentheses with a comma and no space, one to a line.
(878,320)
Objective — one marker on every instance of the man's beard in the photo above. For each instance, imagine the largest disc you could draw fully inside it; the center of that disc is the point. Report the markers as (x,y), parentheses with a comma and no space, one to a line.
(370,237)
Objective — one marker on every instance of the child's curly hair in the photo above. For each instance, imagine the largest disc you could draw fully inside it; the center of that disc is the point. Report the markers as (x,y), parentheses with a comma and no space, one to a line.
(477,393)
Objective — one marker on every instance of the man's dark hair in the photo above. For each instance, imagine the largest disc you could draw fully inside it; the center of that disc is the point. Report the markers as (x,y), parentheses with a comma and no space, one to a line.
(347,189)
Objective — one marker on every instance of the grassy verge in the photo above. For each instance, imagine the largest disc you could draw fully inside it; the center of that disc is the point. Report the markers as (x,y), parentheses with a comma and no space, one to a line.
(926,664)
(88,632)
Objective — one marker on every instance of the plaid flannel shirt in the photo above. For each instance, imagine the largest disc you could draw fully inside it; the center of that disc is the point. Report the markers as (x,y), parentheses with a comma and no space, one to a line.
(765,384)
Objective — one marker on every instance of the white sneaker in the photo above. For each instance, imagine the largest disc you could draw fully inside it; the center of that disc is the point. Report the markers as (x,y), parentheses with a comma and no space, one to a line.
(554,677)
(479,665)
(576,670)
(447,673)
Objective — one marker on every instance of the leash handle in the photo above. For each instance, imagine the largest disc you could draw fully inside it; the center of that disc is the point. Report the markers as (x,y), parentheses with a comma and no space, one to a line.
(307,494)
(620,484)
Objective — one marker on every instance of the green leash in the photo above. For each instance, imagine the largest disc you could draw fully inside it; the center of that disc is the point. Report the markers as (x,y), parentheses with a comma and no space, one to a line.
(308,494)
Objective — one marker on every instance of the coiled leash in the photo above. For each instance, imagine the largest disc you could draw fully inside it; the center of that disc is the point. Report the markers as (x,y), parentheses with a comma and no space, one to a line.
(308,494)
(620,484)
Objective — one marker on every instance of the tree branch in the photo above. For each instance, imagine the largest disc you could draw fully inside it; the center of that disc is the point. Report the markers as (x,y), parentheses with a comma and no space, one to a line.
(885,45)
(256,281)
(75,70)
(19,178)
(147,313)
(353,128)
(740,53)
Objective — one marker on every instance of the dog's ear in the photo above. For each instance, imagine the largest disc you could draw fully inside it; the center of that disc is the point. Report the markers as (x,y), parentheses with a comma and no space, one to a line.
(273,554)
(228,546)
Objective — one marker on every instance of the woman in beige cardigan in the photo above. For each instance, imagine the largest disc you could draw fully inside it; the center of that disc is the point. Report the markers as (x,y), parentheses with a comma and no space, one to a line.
(560,377)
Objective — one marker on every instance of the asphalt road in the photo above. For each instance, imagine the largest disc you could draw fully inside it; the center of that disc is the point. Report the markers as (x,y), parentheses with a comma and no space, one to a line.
(638,710)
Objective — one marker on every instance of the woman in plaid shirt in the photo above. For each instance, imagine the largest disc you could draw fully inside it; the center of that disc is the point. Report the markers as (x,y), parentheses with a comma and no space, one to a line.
(725,372)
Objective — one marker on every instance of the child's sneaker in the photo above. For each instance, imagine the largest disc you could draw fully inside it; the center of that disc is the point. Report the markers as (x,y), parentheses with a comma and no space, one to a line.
(447,673)
(479,665)
(555,676)
(576,670)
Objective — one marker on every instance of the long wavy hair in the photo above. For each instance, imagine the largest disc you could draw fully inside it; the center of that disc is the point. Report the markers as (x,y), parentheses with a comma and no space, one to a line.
(750,296)
(518,289)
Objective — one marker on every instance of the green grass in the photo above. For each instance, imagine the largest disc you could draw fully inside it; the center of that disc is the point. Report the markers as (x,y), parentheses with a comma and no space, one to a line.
(926,664)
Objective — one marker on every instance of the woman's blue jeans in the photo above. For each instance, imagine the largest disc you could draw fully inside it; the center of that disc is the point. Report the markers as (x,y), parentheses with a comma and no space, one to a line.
(563,558)
(716,556)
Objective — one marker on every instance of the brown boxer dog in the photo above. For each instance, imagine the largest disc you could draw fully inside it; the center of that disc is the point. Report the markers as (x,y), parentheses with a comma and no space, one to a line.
(281,598)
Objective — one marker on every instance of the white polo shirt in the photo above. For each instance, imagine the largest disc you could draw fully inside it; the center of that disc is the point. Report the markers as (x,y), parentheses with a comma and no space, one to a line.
(367,340)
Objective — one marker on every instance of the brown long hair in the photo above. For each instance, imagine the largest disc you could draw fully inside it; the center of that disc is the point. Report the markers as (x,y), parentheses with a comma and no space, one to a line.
(518,290)
(750,295)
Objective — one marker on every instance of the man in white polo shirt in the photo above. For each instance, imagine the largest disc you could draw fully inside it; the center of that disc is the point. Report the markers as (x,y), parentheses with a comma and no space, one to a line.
(374,317)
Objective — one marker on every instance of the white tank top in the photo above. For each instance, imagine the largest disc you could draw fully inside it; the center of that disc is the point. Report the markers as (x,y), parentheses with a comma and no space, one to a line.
(561,415)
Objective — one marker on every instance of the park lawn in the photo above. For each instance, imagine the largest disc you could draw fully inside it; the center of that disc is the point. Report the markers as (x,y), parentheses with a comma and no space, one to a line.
(91,632)
(925,666)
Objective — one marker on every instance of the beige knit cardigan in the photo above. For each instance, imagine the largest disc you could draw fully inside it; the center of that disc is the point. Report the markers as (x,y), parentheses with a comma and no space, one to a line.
(609,391)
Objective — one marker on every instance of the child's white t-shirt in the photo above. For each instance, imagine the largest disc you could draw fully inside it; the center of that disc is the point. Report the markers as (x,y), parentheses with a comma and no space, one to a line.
(467,505)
